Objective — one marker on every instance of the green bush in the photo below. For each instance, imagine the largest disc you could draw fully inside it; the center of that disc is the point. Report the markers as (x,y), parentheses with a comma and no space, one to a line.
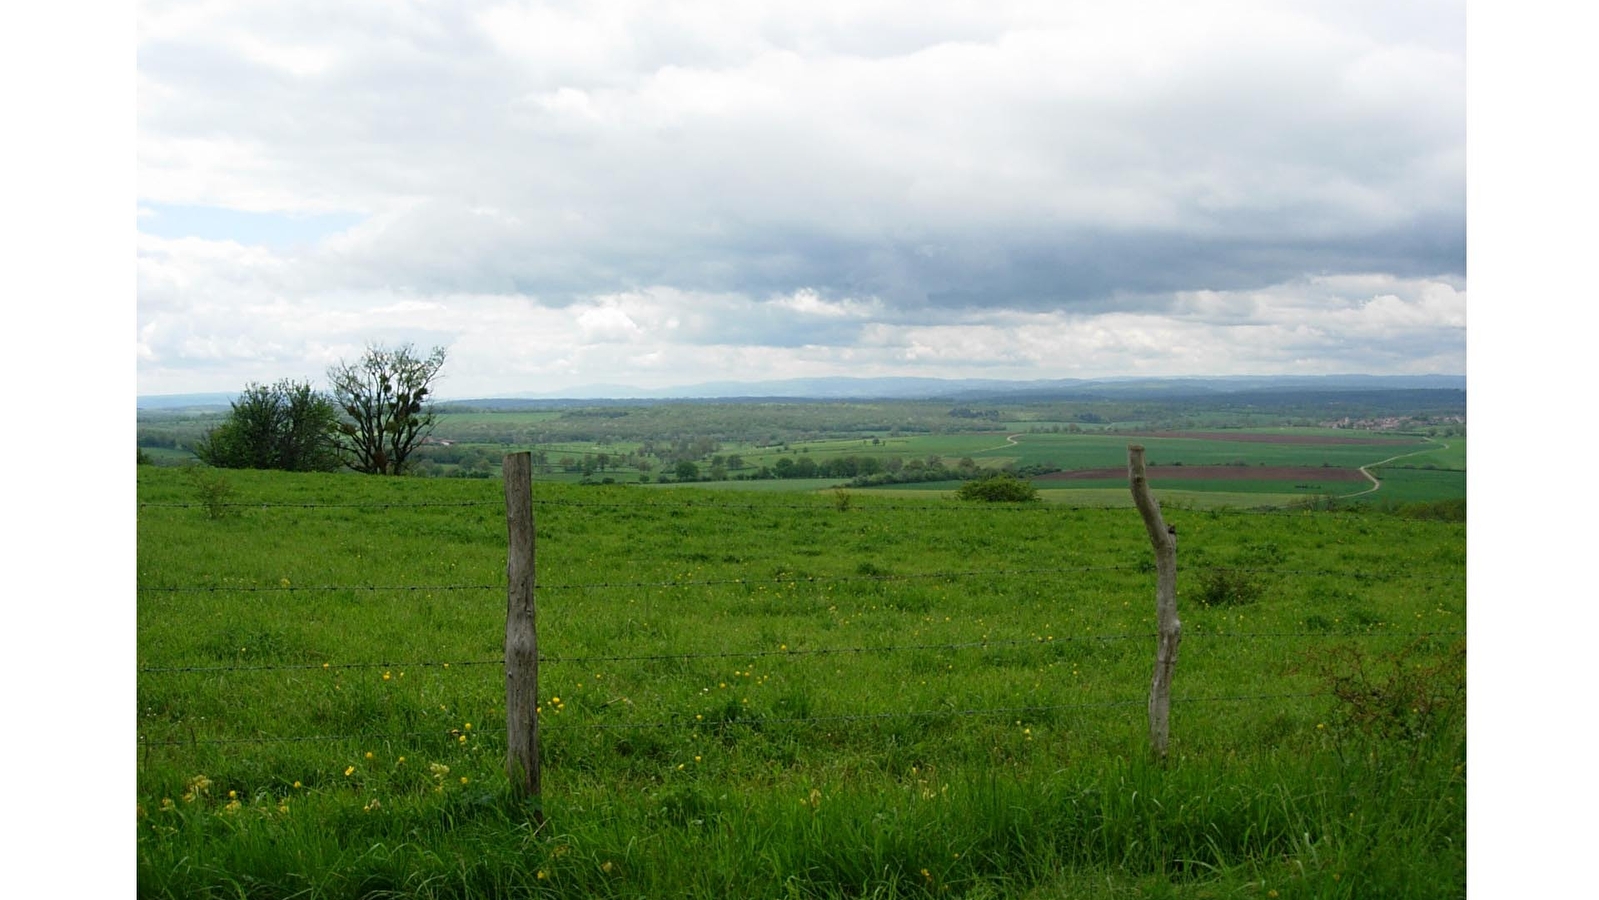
(1403,696)
(1001,487)
(285,426)
(1450,510)
(212,489)
(1227,587)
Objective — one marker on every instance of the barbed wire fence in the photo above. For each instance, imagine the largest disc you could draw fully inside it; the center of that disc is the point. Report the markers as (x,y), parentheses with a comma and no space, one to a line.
(822,504)
(756,722)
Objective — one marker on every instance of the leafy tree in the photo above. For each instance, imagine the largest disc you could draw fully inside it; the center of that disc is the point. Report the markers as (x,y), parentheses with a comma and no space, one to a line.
(283,426)
(1001,487)
(385,397)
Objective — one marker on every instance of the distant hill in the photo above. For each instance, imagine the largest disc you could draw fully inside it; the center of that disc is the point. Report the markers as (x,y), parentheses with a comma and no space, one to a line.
(843,388)
(185,401)
(972,388)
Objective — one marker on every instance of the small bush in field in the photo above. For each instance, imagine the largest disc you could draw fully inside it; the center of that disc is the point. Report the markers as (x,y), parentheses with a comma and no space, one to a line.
(1001,487)
(1227,587)
(1403,696)
(213,490)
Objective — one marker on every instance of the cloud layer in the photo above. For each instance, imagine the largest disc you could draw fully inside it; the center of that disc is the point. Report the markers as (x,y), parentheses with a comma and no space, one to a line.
(666,193)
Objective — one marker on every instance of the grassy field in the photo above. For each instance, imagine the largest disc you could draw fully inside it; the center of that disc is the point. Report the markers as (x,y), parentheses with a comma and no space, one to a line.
(782,694)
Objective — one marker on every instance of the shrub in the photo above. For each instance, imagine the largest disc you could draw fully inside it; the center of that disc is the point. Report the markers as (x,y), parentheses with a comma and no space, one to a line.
(1227,587)
(1395,697)
(283,426)
(1452,510)
(212,489)
(1001,487)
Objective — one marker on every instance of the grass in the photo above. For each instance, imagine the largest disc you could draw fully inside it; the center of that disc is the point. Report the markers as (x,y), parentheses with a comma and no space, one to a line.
(775,696)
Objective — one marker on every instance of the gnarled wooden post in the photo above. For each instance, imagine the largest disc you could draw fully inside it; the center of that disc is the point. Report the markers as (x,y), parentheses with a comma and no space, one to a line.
(1164,539)
(521,635)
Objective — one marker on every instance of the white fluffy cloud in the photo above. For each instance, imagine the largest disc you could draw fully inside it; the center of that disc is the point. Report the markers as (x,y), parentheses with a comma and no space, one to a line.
(644,192)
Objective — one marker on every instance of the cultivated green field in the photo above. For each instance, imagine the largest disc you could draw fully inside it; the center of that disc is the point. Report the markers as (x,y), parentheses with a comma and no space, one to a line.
(816,445)
(788,694)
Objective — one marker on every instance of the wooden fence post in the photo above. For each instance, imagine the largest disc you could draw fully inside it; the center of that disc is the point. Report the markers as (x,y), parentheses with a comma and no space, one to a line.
(521,636)
(1163,538)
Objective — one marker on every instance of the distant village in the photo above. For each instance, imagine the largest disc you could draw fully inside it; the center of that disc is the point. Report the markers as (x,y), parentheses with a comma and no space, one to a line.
(1398,423)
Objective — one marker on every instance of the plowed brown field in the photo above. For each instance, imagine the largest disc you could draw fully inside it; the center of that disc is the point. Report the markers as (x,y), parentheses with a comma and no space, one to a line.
(1218,473)
(1248,437)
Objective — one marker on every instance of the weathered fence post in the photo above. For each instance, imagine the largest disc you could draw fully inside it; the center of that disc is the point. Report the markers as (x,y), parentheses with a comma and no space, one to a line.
(521,636)
(1163,538)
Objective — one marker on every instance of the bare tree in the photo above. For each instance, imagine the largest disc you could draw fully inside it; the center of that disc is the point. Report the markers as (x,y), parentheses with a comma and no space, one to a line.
(385,397)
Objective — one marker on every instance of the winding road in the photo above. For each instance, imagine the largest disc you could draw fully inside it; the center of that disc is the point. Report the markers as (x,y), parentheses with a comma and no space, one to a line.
(1377,483)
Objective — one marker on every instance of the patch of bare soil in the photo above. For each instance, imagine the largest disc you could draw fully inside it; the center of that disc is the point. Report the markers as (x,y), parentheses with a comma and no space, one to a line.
(1244,437)
(1217,473)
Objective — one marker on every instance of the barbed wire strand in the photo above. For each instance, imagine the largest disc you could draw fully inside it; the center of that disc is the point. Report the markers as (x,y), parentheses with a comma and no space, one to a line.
(817,651)
(795,579)
(744,722)
(826,504)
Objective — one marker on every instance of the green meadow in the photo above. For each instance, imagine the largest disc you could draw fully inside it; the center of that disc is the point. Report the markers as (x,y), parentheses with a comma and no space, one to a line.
(783,693)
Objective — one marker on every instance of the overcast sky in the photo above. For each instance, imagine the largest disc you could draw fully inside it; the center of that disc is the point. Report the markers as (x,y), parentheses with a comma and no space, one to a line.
(658,194)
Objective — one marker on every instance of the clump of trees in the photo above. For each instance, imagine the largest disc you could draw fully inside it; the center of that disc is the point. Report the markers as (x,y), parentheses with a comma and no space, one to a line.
(384,396)
(1000,487)
(286,425)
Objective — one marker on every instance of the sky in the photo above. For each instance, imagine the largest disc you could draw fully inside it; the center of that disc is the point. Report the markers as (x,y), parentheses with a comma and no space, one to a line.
(661,194)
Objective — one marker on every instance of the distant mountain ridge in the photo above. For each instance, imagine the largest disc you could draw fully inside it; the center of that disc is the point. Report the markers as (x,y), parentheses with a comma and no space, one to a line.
(907,388)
